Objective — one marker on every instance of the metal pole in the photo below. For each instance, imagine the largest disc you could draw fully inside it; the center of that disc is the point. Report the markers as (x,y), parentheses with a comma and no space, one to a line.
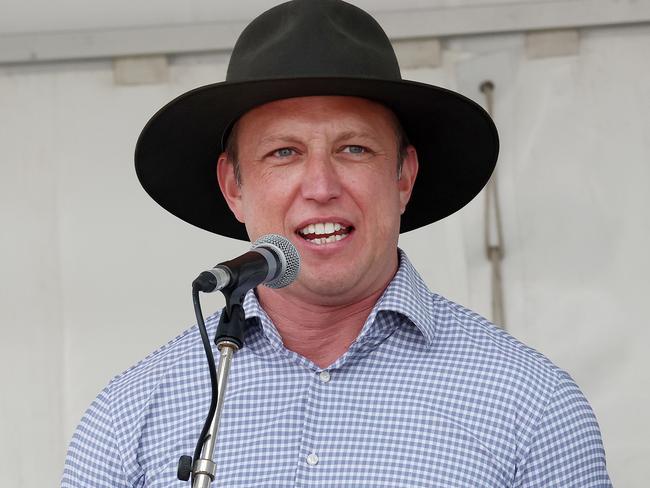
(493,229)
(205,468)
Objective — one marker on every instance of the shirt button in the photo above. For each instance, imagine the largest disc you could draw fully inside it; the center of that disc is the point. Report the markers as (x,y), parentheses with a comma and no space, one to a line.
(325,376)
(312,459)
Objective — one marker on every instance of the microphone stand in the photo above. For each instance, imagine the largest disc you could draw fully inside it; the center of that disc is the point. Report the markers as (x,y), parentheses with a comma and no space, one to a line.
(272,260)
(205,468)
(229,338)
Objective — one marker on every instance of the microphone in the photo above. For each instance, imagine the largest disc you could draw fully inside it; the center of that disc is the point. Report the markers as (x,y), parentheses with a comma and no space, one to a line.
(273,260)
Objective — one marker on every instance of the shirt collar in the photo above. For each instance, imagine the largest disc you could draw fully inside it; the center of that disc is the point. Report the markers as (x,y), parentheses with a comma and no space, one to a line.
(253,310)
(406,294)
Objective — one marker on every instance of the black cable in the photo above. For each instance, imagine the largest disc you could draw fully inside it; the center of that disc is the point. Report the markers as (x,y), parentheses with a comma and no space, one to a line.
(213,374)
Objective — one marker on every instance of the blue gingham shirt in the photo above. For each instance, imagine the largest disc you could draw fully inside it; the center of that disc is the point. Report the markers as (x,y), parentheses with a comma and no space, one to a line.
(429,395)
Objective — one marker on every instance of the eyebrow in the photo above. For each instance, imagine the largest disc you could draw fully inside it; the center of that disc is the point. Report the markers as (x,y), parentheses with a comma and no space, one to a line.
(352,134)
(276,138)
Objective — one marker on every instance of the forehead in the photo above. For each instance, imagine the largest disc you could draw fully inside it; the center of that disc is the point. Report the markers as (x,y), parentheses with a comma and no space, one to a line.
(331,113)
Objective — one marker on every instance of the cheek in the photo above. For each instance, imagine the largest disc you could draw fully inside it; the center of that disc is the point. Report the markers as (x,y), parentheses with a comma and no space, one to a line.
(377,194)
(265,198)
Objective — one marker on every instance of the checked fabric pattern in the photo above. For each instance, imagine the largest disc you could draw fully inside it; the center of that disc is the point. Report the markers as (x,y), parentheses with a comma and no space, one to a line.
(429,395)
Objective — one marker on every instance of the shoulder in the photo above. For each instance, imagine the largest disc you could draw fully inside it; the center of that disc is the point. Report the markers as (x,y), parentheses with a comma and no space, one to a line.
(529,388)
(470,333)
(136,383)
(157,390)
(121,426)
(469,351)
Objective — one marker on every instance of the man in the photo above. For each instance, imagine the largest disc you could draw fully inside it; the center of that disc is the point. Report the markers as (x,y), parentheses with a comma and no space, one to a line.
(356,374)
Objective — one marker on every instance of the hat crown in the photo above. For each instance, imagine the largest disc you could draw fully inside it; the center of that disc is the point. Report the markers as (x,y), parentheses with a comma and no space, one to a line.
(313,39)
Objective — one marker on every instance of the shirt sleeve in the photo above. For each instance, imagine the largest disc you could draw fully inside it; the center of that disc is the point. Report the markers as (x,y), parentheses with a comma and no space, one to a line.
(93,458)
(566,449)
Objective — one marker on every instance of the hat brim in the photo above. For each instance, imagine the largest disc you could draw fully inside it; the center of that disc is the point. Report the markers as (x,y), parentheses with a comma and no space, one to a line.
(177,151)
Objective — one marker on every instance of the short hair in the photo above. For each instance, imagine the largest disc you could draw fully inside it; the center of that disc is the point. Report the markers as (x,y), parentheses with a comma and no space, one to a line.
(402,144)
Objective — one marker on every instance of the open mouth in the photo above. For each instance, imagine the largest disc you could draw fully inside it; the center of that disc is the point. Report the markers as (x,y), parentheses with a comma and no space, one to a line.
(325,232)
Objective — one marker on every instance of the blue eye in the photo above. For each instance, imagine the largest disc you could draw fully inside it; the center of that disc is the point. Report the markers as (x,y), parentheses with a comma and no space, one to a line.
(355,149)
(283,153)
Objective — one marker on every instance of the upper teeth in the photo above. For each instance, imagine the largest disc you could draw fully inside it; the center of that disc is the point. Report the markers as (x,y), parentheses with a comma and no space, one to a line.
(321,228)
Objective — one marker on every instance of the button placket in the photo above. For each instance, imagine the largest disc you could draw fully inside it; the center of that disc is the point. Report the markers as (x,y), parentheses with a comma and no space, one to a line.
(314,438)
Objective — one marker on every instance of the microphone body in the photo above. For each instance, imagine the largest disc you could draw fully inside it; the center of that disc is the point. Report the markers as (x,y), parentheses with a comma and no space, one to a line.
(272,260)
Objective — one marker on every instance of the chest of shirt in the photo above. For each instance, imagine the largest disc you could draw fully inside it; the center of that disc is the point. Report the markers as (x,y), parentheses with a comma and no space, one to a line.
(370,423)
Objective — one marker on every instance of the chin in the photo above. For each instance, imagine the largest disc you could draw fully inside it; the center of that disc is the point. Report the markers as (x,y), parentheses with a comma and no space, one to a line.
(329,287)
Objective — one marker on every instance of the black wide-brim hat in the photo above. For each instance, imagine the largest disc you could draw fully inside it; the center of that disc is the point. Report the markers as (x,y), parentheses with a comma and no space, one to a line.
(311,48)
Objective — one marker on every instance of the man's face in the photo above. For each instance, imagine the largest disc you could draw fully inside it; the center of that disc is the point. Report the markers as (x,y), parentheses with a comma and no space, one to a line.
(322,171)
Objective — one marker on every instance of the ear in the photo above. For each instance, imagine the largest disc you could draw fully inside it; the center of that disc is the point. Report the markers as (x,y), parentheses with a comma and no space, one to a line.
(406,181)
(230,188)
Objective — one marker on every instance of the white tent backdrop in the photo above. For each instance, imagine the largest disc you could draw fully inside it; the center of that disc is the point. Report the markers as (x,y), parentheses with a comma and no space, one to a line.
(96,276)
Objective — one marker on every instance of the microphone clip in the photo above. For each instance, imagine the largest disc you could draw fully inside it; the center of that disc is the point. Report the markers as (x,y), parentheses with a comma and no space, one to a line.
(232,322)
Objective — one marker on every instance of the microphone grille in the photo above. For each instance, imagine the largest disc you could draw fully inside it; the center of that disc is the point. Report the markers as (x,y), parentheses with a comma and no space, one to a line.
(289,257)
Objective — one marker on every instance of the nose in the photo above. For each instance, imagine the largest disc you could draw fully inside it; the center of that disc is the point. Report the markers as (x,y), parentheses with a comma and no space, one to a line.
(320,179)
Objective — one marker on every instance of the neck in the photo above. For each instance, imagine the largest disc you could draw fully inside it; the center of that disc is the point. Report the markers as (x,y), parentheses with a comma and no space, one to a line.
(320,333)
